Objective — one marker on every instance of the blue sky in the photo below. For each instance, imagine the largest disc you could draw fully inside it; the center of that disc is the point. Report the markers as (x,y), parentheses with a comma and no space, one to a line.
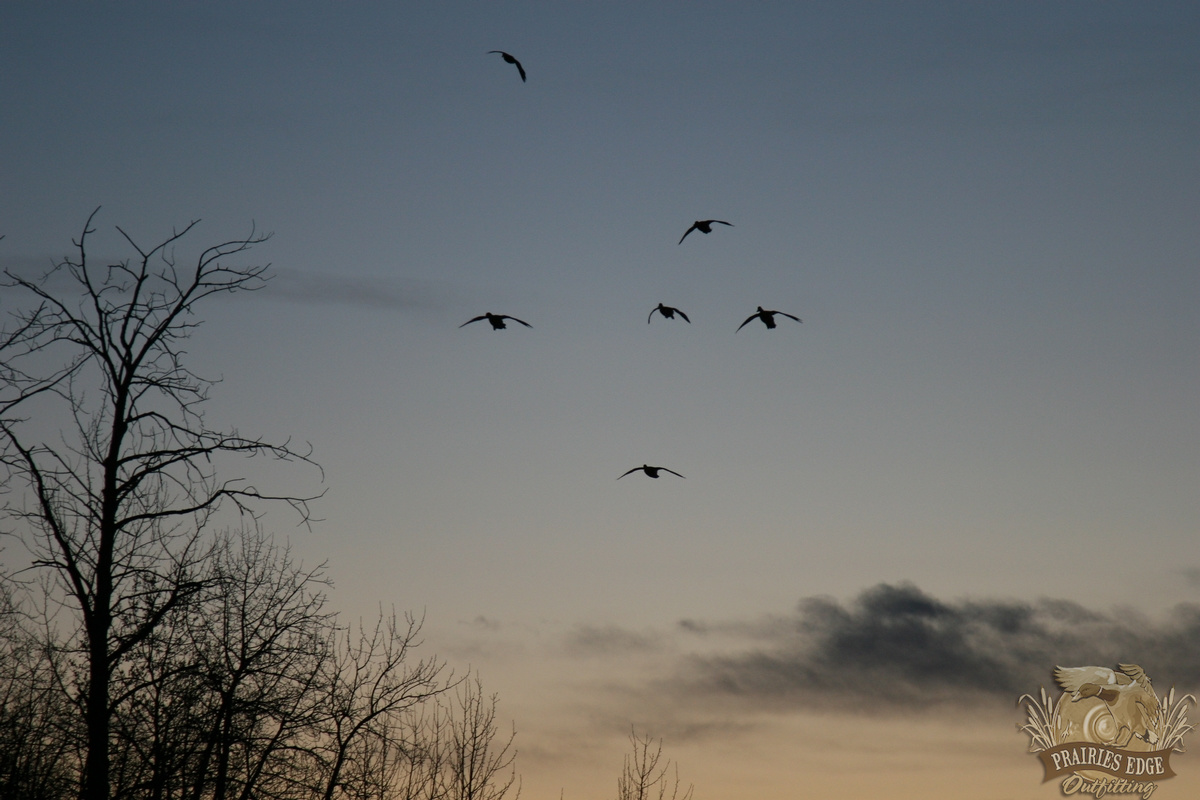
(984,213)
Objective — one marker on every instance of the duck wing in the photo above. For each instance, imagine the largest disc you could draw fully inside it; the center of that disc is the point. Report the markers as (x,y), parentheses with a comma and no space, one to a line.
(752,316)
(1071,678)
(509,58)
(1135,672)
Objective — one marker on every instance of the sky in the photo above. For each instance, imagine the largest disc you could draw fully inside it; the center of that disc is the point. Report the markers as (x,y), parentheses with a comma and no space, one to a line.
(977,456)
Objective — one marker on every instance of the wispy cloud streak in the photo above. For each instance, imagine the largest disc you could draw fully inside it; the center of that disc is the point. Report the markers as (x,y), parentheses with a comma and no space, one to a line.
(385,294)
(586,640)
(290,285)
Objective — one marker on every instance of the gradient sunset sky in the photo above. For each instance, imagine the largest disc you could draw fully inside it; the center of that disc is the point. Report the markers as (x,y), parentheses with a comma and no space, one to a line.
(977,457)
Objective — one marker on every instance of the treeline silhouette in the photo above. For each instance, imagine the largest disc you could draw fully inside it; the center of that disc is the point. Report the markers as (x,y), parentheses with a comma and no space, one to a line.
(251,689)
(160,645)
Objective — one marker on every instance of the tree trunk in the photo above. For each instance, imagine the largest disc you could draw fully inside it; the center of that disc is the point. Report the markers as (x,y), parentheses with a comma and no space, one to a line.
(95,779)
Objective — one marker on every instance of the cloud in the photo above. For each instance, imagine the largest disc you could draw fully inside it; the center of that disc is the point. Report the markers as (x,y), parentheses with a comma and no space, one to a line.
(590,640)
(292,285)
(1191,577)
(767,627)
(483,623)
(385,294)
(896,647)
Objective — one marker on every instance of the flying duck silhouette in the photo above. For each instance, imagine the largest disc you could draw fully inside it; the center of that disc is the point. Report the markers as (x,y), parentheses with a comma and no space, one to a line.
(497,320)
(704,226)
(511,60)
(767,317)
(651,471)
(669,313)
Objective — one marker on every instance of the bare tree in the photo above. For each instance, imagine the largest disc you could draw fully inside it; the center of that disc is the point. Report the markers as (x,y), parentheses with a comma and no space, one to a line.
(457,752)
(35,745)
(646,776)
(117,508)
(369,689)
(421,773)
(480,765)
(208,704)
(261,645)
(253,691)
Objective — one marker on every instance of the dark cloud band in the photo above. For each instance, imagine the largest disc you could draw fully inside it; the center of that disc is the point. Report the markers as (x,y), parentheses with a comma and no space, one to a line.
(896,646)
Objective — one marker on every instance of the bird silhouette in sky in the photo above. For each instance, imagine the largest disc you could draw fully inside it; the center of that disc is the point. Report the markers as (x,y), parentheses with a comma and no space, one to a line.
(669,313)
(497,321)
(511,60)
(704,226)
(651,471)
(767,317)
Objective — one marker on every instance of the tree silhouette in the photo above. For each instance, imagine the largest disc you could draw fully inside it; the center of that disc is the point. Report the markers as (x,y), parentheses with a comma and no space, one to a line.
(457,752)
(34,714)
(646,776)
(480,765)
(116,505)
(165,655)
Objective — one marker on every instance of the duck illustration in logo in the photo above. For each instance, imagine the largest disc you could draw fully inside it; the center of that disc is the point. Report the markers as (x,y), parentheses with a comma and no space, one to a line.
(1112,707)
